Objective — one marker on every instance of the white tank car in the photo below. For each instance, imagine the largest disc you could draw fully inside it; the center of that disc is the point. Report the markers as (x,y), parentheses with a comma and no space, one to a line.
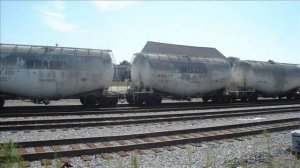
(178,75)
(266,78)
(43,73)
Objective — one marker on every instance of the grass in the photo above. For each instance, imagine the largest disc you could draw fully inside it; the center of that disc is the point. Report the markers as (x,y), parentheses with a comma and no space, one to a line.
(57,162)
(190,156)
(119,163)
(209,160)
(293,160)
(10,155)
(270,157)
(135,159)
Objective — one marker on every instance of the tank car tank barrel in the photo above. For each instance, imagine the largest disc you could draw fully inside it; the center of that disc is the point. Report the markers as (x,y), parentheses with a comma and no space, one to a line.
(178,71)
(52,72)
(268,79)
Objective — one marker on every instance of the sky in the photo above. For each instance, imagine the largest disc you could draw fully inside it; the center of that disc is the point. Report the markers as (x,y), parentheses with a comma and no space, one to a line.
(249,30)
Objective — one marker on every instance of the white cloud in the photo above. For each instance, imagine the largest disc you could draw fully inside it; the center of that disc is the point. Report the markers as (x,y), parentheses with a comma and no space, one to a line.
(112,5)
(54,17)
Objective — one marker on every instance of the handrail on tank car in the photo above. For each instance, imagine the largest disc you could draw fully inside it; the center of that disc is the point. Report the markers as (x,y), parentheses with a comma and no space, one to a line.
(61,48)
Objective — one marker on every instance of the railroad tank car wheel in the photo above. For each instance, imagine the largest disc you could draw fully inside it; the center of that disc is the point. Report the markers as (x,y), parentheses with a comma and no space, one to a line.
(205,99)
(253,98)
(139,102)
(91,101)
(158,100)
(82,101)
(289,97)
(107,101)
(217,99)
(129,99)
(153,100)
(113,101)
(2,102)
(226,99)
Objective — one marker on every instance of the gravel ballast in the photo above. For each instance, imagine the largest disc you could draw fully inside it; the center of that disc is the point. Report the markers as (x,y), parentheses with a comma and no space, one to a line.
(18,136)
(74,116)
(251,151)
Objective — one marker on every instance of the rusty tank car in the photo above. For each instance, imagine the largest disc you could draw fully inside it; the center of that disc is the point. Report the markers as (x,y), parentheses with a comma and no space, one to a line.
(179,72)
(43,73)
(253,79)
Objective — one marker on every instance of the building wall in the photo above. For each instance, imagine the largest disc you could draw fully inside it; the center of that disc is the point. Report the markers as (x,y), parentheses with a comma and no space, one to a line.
(121,72)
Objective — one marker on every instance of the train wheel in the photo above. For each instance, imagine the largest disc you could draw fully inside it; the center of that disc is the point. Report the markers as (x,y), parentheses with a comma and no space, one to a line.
(2,102)
(158,100)
(107,101)
(216,99)
(253,98)
(205,99)
(226,99)
(113,101)
(289,97)
(90,101)
(154,100)
(243,99)
(82,101)
(129,99)
(139,102)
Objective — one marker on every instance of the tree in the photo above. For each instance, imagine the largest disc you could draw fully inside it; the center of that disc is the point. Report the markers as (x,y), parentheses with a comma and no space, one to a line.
(125,63)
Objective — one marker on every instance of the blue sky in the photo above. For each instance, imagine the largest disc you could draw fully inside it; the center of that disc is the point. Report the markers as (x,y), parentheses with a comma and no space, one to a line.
(268,30)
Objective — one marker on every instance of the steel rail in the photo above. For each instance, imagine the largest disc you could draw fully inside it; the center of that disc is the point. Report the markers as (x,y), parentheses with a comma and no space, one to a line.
(105,121)
(60,108)
(179,107)
(183,137)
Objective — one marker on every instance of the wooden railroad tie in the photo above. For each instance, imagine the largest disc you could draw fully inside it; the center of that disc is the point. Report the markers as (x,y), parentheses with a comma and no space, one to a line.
(92,145)
(106,156)
(39,149)
(123,153)
(75,146)
(85,158)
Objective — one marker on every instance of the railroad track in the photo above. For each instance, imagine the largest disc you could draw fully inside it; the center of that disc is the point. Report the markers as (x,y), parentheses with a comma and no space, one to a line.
(80,107)
(137,119)
(64,111)
(156,141)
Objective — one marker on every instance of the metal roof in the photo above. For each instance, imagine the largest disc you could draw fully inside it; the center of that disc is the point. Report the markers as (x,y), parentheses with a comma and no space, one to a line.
(181,50)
